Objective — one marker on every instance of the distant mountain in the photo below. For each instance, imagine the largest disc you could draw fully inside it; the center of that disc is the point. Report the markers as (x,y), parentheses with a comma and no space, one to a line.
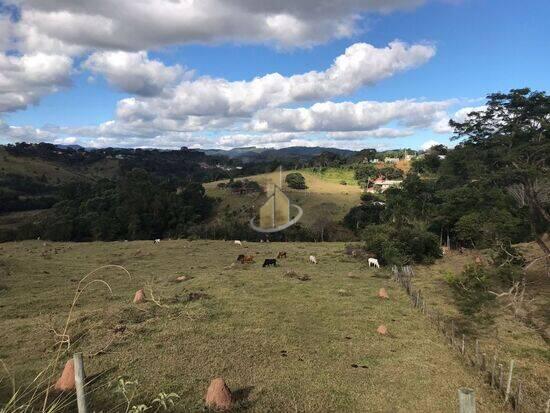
(254,154)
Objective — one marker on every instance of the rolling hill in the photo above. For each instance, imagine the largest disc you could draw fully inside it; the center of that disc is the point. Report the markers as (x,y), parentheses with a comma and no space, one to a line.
(324,197)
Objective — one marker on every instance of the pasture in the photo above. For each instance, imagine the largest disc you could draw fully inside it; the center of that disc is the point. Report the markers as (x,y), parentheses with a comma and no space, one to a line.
(323,194)
(283,343)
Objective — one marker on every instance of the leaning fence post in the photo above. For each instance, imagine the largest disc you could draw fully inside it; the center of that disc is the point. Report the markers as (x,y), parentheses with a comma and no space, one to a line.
(509,382)
(500,375)
(466,400)
(462,347)
(477,352)
(79,382)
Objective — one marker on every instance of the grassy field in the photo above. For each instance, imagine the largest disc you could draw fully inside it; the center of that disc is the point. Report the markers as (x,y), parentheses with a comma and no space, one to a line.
(280,343)
(522,338)
(336,175)
(323,194)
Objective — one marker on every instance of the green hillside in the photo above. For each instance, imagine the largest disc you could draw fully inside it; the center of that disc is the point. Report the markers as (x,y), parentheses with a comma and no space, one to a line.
(324,197)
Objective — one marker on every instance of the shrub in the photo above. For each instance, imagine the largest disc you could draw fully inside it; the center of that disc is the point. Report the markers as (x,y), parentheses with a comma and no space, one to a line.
(399,246)
(296,180)
(471,289)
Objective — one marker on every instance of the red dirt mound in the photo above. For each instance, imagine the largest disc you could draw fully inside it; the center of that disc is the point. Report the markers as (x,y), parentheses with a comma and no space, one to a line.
(66,381)
(218,395)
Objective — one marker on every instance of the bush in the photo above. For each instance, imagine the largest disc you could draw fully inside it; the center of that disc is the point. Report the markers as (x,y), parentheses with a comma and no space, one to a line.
(400,246)
(296,180)
(471,289)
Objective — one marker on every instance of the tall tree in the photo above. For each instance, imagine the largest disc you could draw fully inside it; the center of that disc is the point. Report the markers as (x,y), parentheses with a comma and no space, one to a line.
(512,138)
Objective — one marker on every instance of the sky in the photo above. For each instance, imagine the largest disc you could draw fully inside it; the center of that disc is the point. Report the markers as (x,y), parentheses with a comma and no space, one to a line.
(231,73)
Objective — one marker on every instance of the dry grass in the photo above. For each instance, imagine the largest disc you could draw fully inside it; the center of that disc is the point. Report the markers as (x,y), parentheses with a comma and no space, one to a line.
(281,343)
(518,338)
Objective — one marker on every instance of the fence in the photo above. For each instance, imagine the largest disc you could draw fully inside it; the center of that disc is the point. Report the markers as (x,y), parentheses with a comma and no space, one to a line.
(499,375)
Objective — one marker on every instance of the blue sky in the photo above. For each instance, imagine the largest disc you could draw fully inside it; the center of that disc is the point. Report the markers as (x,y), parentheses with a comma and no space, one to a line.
(147,88)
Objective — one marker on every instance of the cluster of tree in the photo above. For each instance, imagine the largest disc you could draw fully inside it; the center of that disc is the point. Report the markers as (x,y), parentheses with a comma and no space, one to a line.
(493,187)
(430,161)
(296,180)
(136,206)
(366,173)
(23,193)
(242,186)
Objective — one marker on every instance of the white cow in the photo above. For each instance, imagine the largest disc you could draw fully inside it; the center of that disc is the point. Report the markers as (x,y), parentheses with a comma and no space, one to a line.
(312,259)
(374,262)
(237,242)
(157,241)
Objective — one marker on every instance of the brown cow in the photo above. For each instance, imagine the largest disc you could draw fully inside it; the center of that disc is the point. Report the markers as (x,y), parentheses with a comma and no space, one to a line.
(282,254)
(248,259)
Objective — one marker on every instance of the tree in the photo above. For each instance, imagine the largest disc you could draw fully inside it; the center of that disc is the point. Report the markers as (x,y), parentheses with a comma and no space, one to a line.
(512,140)
(296,180)
(364,173)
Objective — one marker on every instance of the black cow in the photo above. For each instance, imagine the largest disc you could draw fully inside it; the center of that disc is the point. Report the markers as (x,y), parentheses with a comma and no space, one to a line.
(270,261)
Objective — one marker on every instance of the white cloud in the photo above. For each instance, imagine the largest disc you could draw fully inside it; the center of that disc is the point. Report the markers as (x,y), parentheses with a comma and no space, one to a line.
(375,133)
(134,72)
(133,25)
(442,125)
(10,134)
(362,64)
(25,79)
(348,116)
(6,29)
(428,144)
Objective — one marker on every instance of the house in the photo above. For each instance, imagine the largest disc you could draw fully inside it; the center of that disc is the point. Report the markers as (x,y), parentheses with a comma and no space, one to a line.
(391,160)
(381,184)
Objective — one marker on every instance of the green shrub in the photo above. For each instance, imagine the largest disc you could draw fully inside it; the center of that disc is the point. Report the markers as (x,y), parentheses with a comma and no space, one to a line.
(471,289)
(296,180)
(400,246)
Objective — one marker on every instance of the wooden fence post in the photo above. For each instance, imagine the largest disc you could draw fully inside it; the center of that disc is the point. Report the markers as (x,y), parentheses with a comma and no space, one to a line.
(477,353)
(500,371)
(509,382)
(466,400)
(493,369)
(462,347)
(79,382)
(517,405)
(453,332)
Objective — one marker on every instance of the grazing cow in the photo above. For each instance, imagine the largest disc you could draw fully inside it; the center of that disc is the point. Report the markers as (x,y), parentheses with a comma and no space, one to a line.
(312,259)
(373,262)
(281,254)
(270,261)
(240,258)
(237,242)
(157,241)
(248,259)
